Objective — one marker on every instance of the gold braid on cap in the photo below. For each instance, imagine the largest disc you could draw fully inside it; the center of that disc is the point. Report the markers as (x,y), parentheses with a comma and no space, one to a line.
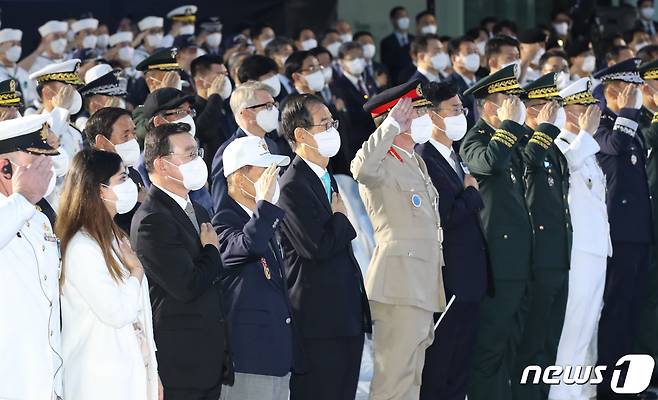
(582,98)
(164,66)
(184,18)
(543,93)
(66,77)
(503,85)
(9,98)
(651,75)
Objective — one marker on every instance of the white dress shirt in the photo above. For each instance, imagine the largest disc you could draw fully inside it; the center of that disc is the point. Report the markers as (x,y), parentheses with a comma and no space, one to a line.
(182,202)
(319,171)
(430,76)
(446,152)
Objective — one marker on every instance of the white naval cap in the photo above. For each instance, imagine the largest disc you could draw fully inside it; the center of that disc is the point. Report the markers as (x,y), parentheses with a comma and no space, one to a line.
(53,27)
(578,92)
(64,71)
(250,150)
(29,134)
(9,35)
(150,22)
(183,13)
(96,72)
(120,37)
(85,23)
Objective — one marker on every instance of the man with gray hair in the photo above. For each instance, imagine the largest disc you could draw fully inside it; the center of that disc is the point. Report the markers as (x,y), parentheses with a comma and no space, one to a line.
(256,114)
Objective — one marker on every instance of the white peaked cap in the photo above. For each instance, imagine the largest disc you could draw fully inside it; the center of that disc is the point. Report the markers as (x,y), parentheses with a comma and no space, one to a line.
(121,37)
(96,72)
(8,35)
(53,27)
(86,23)
(150,22)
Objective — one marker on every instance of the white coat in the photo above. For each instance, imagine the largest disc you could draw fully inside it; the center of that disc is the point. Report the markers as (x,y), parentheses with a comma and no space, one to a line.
(30,362)
(102,355)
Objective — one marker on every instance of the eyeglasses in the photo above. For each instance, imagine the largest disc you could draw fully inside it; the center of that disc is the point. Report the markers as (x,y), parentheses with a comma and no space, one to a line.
(267,105)
(460,110)
(181,113)
(192,155)
(312,68)
(329,124)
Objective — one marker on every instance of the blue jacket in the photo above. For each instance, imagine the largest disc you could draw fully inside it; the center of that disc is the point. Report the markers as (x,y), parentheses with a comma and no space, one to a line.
(254,289)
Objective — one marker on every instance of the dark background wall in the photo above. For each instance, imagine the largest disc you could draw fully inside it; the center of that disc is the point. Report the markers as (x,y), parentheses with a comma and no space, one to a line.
(284,15)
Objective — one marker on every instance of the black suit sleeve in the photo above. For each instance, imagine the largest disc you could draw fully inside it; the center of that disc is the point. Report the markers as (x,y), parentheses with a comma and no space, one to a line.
(311,238)
(169,264)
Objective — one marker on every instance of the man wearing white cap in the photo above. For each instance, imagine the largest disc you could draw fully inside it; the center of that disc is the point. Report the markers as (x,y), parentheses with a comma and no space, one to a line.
(254,277)
(591,236)
(182,23)
(102,89)
(85,33)
(31,364)
(10,53)
(150,38)
(51,49)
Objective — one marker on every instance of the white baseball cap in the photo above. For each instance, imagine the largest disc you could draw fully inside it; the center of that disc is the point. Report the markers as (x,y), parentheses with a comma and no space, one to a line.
(250,150)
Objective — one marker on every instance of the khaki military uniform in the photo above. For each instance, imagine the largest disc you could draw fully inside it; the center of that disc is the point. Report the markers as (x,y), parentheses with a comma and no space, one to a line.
(404,280)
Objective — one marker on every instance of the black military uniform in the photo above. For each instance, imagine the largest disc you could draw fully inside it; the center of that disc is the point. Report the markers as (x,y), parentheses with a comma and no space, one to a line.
(494,159)
(622,157)
(547,186)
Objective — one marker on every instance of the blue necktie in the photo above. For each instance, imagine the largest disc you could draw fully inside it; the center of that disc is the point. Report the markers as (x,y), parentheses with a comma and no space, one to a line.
(326,182)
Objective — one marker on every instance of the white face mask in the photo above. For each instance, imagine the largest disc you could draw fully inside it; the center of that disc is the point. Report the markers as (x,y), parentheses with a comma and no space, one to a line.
(315,81)
(333,48)
(440,61)
(328,73)
(538,55)
(186,30)
(195,174)
(188,120)
(58,46)
(214,39)
(274,83)
(265,42)
(647,12)
(563,80)
(403,23)
(103,41)
(227,88)
(356,66)
(76,104)
(61,162)
(346,37)
(638,99)
(89,41)
(126,53)
(309,44)
(428,30)
(129,152)
(455,126)
(589,63)
(154,40)
(481,47)
(268,120)
(369,51)
(472,62)
(327,142)
(561,28)
(260,195)
(560,118)
(421,129)
(14,53)
(126,193)
(51,184)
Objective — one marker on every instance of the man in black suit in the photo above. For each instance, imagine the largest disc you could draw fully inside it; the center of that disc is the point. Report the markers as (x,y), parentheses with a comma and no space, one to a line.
(326,287)
(395,47)
(352,86)
(176,244)
(430,58)
(646,10)
(376,72)
(465,63)
(465,275)
(265,70)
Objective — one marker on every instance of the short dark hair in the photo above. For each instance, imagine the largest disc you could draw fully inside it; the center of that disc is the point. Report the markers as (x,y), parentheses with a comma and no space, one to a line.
(295,61)
(395,10)
(316,51)
(298,32)
(436,92)
(555,52)
(455,44)
(487,20)
(360,34)
(203,64)
(277,44)
(614,53)
(496,43)
(101,122)
(421,42)
(296,113)
(256,29)
(506,23)
(422,14)
(647,53)
(346,48)
(157,144)
(255,66)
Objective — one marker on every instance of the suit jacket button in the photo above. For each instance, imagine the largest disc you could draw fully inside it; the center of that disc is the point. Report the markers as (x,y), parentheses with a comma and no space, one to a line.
(541,227)
(288,321)
(624,201)
(410,254)
(505,236)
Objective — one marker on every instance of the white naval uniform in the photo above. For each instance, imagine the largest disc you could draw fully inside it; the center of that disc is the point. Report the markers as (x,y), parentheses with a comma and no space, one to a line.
(140,55)
(27,86)
(590,249)
(69,137)
(30,361)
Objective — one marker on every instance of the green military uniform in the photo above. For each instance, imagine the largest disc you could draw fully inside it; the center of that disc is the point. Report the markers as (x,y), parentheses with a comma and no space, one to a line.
(647,341)
(547,187)
(494,159)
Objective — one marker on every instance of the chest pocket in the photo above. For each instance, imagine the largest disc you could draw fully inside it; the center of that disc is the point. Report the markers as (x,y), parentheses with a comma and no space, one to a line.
(411,198)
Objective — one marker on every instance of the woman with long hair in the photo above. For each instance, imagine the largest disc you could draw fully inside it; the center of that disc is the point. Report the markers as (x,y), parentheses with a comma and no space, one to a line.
(107,330)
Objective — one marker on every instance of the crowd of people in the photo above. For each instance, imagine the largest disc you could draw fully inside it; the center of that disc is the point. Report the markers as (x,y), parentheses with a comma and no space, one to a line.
(201,215)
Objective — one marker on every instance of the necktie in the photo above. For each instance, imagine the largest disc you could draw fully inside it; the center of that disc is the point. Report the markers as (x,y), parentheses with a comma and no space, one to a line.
(362,87)
(326,182)
(458,168)
(189,210)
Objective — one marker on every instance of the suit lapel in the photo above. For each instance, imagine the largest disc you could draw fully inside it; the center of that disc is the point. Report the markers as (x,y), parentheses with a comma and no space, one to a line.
(316,185)
(443,163)
(174,208)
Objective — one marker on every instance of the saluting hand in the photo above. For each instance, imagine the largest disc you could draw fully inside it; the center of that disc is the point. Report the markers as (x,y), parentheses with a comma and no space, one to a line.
(64,98)
(548,113)
(590,119)
(32,181)
(207,235)
(510,110)
(403,114)
(627,97)
(266,184)
(216,85)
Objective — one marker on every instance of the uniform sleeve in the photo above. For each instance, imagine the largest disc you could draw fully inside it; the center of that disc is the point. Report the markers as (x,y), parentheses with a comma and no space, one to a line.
(115,304)
(651,133)
(15,211)
(619,139)
(491,156)
(541,140)
(576,152)
(367,164)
